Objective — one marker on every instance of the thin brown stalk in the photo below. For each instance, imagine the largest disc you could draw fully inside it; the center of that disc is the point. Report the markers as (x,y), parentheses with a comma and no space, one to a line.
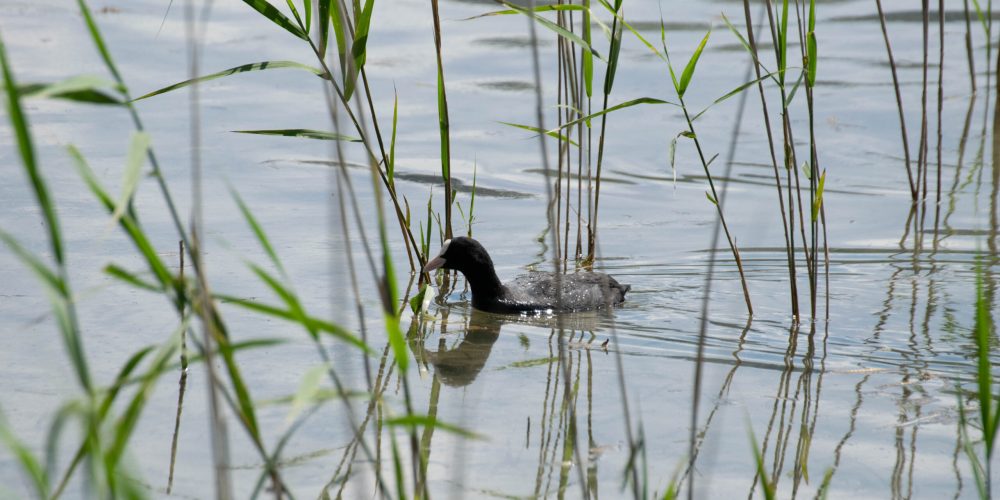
(940,99)
(899,101)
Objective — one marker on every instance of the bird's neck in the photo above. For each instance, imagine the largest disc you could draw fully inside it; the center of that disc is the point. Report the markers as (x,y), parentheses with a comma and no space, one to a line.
(485,285)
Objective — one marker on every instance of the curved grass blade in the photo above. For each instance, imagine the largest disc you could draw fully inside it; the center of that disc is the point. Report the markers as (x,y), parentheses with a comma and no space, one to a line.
(813,59)
(412,421)
(122,274)
(360,46)
(689,69)
(271,12)
(324,26)
(551,133)
(258,231)
(312,322)
(260,66)
(731,93)
(82,88)
(26,458)
(626,104)
(559,30)
(302,132)
(133,168)
(19,123)
(539,8)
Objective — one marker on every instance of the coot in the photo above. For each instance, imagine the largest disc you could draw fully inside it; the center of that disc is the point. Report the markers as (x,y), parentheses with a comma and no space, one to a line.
(534,292)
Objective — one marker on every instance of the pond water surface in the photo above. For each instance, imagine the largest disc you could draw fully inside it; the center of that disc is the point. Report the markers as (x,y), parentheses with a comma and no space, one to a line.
(869,394)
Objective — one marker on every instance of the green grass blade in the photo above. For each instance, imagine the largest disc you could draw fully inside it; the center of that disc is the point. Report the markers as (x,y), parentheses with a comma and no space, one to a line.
(302,132)
(271,12)
(614,50)
(102,48)
(320,325)
(391,168)
(587,56)
(308,8)
(731,93)
(551,133)
(137,150)
(80,87)
(243,68)
(818,202)
(812,60)
(984,379)
(129,224)
(559,30)
(84,96)
(538,8)
(298,18)
(53,283)
(26,459)
(122,274)
(765,481)
(324,26)
(19,124)
(258,231)
(689,69)
(337,17)
(626,104)
(359,48)
(783,42)
(126,424)
(413,422)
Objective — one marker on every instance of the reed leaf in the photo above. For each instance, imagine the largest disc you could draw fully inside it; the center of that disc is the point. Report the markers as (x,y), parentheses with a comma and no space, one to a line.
(391,166)
(412,422)
(258,231)
(731,93)
(818,201)
(551,133)
(302,132)
(26,149)
(138,147)
(122,274)
(689,69)
(128,223)
(32,467)
(323,8)
(318,324)
(275,16)
(83,88)
(559,30)
(243,68)
(626,104)
(359,48)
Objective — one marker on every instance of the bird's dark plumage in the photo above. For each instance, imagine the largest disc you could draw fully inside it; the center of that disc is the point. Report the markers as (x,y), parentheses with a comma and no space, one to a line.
(534,292)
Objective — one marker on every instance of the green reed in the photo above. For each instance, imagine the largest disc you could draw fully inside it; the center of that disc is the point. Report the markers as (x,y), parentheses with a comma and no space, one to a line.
(983,331)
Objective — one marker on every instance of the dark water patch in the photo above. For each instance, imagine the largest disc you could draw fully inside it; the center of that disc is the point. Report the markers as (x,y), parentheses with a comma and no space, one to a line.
(554,174)
(510,42)
(428,179)
(910,16)
(506,85)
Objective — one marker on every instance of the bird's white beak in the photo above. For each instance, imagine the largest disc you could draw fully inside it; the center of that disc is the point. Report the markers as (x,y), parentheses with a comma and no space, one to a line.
(438,261)
(434,264)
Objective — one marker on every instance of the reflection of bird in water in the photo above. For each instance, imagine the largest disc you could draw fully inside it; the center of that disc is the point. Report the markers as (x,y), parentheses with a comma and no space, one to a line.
(534,292)
(460,365)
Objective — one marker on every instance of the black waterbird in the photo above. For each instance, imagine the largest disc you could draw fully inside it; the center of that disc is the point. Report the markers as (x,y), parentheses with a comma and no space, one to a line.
(536,292)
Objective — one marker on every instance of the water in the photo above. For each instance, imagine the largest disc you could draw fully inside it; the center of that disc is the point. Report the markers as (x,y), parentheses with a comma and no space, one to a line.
(869,394)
